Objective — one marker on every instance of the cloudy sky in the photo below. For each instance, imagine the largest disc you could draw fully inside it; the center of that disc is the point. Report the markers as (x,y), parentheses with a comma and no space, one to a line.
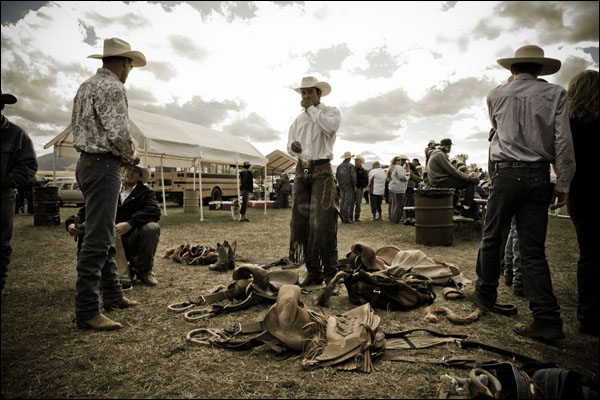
(402,73)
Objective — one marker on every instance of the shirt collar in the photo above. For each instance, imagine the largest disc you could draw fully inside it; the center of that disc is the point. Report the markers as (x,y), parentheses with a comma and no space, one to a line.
(524,76)
(108,73)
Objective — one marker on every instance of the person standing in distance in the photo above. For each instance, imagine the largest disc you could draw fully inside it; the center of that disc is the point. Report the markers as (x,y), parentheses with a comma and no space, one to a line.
(101,135)
(313,228)
(246,187)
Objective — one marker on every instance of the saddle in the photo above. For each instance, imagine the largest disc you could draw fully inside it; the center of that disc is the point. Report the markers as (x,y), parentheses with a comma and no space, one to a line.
(368,279)
(347,341)
(251,285)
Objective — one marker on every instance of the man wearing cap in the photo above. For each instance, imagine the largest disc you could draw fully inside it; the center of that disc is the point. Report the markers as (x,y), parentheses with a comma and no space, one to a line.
(246,187)
(442,174)
(136,224)
(313,228)
(531,125)
(19,165)
(362,181)
(346,177)
(101,135)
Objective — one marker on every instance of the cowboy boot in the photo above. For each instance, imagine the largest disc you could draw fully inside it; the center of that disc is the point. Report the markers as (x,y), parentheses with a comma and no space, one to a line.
(231,255)
(99,323)
(123,302)
(221,264)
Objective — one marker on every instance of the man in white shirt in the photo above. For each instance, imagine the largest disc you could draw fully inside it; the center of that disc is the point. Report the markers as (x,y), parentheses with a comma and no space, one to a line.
(313,228)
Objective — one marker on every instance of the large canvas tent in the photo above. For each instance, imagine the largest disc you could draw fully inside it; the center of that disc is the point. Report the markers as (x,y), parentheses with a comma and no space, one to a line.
(168,142)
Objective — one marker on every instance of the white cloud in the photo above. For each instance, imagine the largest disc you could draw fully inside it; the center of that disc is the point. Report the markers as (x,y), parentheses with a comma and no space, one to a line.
(401,72)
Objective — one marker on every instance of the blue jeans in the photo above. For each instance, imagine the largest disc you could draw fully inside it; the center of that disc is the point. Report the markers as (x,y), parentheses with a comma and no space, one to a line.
(142,243)
(99,177)
(245,197)
(512,257)
(7,220)
(357,200)
(346,203)
(396,207)
(524,193)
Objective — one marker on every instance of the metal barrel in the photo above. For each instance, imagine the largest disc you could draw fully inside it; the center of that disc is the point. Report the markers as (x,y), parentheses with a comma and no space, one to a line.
(191,201)
(434,212)
(46,206)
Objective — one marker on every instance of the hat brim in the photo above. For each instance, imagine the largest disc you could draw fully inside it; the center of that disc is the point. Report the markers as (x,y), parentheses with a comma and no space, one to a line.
(8,98)
(144,173)
(137,58)
(323,86)
(549,65)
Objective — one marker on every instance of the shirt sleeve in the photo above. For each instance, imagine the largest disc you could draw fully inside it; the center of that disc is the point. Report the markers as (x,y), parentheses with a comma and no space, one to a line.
(111,108)
(563,146)
(327,118)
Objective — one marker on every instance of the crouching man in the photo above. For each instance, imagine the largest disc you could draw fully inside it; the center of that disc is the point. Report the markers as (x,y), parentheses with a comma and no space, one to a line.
(136,223)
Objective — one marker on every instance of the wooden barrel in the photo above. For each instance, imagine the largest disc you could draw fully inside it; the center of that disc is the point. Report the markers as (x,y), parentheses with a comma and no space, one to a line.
(46,206)
(191,201)
(434,213)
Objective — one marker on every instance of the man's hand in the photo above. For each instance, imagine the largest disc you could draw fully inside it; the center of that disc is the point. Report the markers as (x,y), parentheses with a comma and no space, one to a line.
(305,103)
(122,228)
(73,231)
(558,200)
(296,147)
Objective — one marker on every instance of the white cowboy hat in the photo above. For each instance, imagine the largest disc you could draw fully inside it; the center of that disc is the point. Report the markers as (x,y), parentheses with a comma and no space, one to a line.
(309,82)
(402,157)
(360,158)
(532,54)
(115,47)
(347,155)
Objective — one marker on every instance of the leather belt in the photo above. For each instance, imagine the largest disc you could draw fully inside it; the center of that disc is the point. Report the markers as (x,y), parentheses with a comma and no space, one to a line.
(308,165)
(519,164)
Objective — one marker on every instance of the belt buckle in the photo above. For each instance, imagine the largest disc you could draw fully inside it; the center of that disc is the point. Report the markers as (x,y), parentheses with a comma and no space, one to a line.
(306,170)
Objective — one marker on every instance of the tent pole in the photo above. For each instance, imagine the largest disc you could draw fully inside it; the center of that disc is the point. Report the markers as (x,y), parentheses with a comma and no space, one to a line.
(265,186)
(162,178)
(237,175)
(54,164)
(200,188)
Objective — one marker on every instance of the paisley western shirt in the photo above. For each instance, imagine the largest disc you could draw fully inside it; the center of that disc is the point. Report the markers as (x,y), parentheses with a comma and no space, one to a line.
(100,119)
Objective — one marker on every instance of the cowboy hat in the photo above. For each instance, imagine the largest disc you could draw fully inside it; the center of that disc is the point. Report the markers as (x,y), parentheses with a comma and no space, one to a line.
(532,54)
(367,257)
(144,172)
(115,47)
(309,82)
(360,158)
(8,98)
(347,155)
(403,157)
(288,318)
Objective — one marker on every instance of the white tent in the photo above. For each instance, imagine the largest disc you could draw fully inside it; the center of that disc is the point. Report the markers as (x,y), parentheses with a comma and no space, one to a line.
(167,142)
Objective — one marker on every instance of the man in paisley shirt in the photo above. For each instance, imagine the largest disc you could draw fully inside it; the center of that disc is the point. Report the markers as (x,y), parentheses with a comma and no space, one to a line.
(100,134)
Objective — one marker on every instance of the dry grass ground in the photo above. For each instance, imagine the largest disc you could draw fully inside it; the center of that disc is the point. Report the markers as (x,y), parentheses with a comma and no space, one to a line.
(44,355)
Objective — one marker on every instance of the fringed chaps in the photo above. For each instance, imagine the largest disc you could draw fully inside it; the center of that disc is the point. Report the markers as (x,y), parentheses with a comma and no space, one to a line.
(313,238)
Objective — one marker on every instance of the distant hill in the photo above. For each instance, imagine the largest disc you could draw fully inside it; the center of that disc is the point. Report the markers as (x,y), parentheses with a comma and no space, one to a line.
(62,163)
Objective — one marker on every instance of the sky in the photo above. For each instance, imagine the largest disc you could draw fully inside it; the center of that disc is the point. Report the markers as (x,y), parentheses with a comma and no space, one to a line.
(402,73)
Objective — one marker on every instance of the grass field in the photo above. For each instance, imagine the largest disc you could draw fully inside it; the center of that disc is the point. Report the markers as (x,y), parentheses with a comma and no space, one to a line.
(44,354)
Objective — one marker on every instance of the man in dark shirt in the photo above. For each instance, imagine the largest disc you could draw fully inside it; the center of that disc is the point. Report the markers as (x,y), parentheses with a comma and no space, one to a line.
(246,187)
(19,166)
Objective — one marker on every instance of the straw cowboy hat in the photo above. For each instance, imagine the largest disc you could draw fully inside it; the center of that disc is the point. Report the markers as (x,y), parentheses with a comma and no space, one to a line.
(288,318)
(310,81)
(8,98)
(532,54)
(361,159)
(144,172)
(347,155)
(115,47)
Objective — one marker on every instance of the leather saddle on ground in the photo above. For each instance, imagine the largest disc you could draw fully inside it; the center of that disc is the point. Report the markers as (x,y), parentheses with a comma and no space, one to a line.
(251,284)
